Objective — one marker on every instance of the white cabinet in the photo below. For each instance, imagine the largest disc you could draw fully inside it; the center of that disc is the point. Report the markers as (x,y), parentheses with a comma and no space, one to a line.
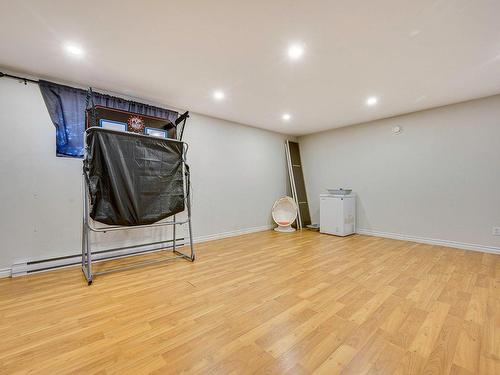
(337,214)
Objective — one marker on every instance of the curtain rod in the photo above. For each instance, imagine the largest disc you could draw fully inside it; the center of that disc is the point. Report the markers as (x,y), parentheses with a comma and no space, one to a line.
(181,118)
(25,80)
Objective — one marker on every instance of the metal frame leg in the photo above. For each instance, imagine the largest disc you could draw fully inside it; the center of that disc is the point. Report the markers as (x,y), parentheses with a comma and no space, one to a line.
(174,236)
(83,244)
(86,254)
(90,275)
(191,257)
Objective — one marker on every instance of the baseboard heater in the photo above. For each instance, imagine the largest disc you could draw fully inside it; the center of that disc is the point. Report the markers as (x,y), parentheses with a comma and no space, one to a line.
(41,265)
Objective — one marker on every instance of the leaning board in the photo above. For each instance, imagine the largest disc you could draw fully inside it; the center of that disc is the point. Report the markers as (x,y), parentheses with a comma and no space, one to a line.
(297,183)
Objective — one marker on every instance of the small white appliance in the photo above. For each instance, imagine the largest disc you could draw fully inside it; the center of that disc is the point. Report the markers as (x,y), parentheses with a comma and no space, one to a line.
(337,214)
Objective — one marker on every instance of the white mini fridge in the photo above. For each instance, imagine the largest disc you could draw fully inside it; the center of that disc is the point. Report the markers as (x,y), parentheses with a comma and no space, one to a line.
(337,214)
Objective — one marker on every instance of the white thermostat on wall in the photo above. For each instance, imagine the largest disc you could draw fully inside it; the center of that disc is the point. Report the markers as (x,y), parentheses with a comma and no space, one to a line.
(396,129)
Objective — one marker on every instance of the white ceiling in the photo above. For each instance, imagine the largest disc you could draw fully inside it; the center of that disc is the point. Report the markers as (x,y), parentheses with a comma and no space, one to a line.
(411,54)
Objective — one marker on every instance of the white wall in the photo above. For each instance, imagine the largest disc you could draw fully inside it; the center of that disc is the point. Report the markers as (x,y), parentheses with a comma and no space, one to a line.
(237,174)
(438,179)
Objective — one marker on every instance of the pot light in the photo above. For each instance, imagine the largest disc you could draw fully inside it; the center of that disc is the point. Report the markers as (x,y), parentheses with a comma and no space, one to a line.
(371,101)
(74,50)
(286,117)
(414,33)
(219,95)
(295,51)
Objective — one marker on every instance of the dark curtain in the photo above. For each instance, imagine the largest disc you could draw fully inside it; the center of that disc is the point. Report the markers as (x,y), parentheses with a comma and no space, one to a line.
(67,105)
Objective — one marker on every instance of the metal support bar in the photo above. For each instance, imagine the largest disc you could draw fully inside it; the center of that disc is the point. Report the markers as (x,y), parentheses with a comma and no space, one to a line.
(182,118)
(115,228)
(163,242)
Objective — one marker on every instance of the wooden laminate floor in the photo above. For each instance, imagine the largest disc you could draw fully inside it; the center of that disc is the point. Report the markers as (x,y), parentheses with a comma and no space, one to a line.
(264,303)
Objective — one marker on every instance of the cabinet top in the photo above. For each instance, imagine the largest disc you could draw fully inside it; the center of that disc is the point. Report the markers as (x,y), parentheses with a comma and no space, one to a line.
(337,196)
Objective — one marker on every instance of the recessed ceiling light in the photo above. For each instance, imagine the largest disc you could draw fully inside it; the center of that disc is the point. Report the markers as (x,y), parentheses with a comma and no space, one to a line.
(286,117)
(371,101)
(295,51)
(414,33)
(219,95)
(73,49)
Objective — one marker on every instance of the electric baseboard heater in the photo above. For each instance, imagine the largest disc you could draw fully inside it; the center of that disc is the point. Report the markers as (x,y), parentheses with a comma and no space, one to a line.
(297,184)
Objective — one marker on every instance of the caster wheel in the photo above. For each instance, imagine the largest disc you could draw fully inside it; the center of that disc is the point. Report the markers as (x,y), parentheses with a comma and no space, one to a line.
(89,283)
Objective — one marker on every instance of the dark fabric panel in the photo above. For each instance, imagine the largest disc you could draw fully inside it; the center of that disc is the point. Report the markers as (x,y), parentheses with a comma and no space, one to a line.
(294,153)
(304,214)
(130,106)
(66,106)
(300,187)
(133,179)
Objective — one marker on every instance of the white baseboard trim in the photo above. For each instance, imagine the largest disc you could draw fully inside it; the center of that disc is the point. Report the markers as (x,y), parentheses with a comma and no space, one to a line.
(20,268)
(5,272)
(431,241)
(239,232)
